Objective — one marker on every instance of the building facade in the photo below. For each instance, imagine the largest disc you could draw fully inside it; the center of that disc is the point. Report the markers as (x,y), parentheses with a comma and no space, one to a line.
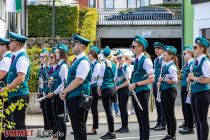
(201,18)
(3,18)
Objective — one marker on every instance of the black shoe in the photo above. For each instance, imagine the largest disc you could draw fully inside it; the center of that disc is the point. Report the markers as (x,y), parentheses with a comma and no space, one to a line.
(182,126)
(171,138)
(156,126)
(72,133)
(186,131)
(92,133)
(108,136)
(166,137)
(159,128)
(124,130)
(118,130)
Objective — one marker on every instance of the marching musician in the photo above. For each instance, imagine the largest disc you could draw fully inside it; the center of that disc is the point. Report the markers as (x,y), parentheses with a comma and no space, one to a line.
(143,76)
(52,105)
(18,75)
(200,88)
(93,56)
(5,63)
(59,79)
(158,63)
(186,107)
(106,87)
(78,84)
(123,72)
(167,83)
(43,75)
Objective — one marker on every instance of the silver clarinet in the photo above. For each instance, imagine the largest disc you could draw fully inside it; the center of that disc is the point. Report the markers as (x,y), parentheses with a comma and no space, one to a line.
(133,92)
(158,88)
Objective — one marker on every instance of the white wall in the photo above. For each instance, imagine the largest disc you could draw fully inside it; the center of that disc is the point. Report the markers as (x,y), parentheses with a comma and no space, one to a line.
(153,2)
(3,28)
(201,18)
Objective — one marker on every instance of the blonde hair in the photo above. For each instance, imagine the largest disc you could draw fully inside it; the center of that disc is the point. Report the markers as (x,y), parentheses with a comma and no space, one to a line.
(108,60)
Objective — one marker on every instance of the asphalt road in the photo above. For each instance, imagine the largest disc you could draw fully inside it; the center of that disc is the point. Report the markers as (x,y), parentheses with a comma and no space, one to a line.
(132,135)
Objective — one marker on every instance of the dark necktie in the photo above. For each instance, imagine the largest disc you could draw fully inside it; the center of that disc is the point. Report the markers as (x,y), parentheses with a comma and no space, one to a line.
(74,60)
(135,65)
(185,65)
(196,62)
(13,58)
(158,60)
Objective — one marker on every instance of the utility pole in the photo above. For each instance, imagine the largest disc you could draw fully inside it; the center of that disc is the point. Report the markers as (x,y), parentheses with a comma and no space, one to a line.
(53,24)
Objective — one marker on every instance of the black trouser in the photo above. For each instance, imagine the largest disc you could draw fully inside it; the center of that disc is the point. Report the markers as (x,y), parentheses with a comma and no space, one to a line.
(94,107)
(142,115)
(59,125)
(200,105)
(186,109)
(159,108)
(107,95)
(44,104)
(6,104)
(168,98)
(78,118)
(123,103)
(18,116)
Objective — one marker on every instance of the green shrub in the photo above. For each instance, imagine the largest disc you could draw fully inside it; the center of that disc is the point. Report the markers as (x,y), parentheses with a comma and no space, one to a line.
(40,21)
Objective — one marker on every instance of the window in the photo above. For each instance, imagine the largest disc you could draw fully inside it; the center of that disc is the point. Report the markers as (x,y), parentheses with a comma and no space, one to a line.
(109,3)
(132,3)
(121,4)
(92,3)
(2,10)
(206,33)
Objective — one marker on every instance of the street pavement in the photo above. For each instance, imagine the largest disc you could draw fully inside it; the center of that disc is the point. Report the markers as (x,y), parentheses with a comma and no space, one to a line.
(132,135)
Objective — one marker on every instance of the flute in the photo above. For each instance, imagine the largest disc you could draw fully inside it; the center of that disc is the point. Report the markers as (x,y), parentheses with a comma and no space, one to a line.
(133,92)
(158,88)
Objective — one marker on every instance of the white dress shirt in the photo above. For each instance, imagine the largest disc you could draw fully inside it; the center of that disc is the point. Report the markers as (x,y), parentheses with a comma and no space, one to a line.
(5,62)
(172,72)
(205,67)
(95,72)
(101,73)
(63,73)
(22,63)
(147,65)
(83,67)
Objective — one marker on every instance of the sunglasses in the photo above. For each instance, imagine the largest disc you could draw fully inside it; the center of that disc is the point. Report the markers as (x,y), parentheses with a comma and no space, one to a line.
(119,58)
(52,57)
(133,47)
(184,53)
(195,47)
(41,57)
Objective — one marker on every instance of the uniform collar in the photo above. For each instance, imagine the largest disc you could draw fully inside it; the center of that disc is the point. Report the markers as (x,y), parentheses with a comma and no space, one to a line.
(190,61)
(161,56)
(93,62)
(168,63)
(19,51)
(60,62)
(6,53)
(123,65)
(80,55)
(140,56)
(200,57)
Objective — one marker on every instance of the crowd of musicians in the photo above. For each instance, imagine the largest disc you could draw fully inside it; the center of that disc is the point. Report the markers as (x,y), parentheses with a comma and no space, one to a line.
(74,89)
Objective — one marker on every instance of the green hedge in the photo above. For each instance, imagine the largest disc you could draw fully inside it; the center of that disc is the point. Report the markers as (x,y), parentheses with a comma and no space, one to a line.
(68,20)
(40,21)
(88,22)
